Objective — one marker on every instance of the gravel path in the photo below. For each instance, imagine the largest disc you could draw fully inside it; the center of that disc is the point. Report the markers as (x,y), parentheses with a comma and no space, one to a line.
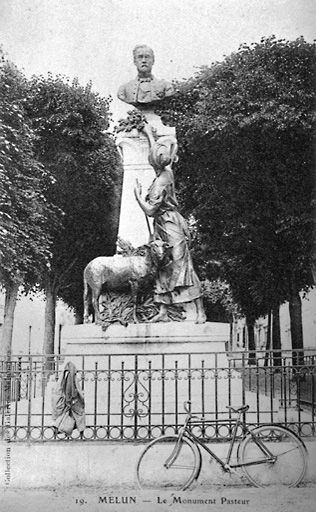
(203,499)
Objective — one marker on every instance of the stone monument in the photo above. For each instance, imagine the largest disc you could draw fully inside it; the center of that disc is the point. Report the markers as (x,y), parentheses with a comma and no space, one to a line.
(147,145)
(149,215)
(143,93)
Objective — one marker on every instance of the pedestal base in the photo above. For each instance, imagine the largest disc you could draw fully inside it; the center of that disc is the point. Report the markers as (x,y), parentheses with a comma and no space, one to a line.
(169,337)
(138,377)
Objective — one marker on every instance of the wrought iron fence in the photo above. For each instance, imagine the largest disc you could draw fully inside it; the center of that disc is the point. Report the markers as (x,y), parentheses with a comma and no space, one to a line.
(140,396)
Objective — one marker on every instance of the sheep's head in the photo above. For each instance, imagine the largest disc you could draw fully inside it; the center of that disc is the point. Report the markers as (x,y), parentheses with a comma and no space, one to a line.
(160,252)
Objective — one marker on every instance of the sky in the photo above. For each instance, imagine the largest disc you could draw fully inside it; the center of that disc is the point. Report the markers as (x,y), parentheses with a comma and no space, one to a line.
(93,39)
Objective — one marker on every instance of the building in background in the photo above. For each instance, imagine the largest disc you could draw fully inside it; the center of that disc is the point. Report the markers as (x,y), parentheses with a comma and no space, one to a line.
(28,330)
(240,336)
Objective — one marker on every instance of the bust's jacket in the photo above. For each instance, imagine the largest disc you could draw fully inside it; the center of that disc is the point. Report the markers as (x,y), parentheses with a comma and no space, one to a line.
(157,90)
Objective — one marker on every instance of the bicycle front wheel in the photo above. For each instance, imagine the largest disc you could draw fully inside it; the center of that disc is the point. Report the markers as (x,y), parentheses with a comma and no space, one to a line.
(289,456)
(169,463)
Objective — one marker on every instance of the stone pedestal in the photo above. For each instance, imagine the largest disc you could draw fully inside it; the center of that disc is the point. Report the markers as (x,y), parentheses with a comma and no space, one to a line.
(147,338)
(143,373)
(134,149)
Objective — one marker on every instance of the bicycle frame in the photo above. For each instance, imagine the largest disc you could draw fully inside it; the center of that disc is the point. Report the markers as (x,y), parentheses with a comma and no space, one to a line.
(226,466)
(186,453)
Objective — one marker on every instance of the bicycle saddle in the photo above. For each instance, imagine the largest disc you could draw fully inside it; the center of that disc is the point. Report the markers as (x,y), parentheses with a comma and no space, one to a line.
(242,408)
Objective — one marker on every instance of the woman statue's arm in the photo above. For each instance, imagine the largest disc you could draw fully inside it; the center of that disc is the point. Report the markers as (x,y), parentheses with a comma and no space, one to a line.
(149,209)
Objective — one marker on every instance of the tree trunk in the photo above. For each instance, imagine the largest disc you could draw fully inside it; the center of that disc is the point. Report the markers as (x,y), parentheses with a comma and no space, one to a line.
(313,216)
(276,336)
(78,318)
(251,340)
(295,309)
(50,322)
(6,341)
(9,308)
(268,344)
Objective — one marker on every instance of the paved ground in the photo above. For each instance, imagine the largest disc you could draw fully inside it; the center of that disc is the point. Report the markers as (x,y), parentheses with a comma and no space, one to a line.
(203,499)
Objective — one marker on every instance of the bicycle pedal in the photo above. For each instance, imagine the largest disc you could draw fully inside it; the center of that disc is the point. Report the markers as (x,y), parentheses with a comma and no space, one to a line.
(229,470)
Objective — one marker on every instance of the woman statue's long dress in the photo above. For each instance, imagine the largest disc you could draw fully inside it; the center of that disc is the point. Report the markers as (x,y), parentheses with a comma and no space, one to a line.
(176,281)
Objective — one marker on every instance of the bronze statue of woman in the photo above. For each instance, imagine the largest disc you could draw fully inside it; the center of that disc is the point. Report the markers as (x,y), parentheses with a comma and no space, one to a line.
(176,281)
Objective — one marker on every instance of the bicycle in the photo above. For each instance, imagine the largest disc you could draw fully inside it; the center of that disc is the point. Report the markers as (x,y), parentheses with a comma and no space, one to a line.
(268,454)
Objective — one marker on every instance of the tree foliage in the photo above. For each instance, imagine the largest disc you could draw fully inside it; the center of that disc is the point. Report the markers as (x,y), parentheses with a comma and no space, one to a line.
(70,122)
(25,212)
(245,128)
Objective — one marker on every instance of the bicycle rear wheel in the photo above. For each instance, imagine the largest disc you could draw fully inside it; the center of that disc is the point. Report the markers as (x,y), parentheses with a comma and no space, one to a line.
(289,452)
(152,472)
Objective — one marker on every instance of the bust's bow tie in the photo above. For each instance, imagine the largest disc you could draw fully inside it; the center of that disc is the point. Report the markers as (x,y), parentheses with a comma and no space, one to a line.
(141,80)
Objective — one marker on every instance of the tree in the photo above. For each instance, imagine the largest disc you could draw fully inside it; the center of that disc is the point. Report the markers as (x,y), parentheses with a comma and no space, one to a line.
(245,128)
(70,123)
(25,213)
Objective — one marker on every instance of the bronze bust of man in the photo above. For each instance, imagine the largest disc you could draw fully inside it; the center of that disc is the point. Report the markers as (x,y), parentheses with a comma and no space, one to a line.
(145,90)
